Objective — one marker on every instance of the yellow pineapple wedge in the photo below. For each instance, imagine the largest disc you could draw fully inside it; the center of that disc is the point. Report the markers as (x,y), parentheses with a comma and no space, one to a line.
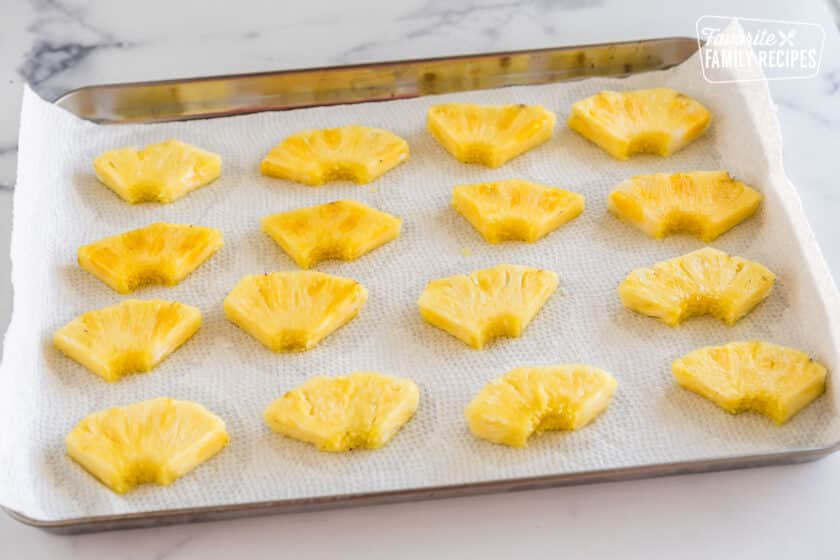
(344,230)
(157,254)
(131,337)
(652,121)
(293,311)
(364,409)
(703,203)
(488,303)
(516,209)
(158,441)
(535,399)
(161,172)
(702,282)
(753,376)
(315,157)
(490,135)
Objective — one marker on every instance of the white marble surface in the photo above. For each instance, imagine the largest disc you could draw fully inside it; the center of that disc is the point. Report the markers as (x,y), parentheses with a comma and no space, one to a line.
(792,511)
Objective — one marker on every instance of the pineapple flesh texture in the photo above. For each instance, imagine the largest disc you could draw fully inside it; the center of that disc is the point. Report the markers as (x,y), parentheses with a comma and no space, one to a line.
(488,303)
(362,410)
(343,230)
(753,376)
(703,203)
(158,441)
(293,311)
(315,157)
(706,281)
(516,209)
(489,135)
(161,172)
(535,399)
(654,121)
(131,337)
(157,254)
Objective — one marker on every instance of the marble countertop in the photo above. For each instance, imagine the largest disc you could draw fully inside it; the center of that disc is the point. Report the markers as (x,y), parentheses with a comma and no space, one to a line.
(57,45)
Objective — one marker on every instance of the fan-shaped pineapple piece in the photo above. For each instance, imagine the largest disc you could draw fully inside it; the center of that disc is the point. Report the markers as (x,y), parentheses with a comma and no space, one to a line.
(489,134)
(344,230)
(516,209)
(315,157)
(157,254)
(160,172)
(703,203)
(158,441)
(707,281)
(133,336)
(488,303)
(753,376)
(535,399)
(652,121)
(293,311)
(364,409)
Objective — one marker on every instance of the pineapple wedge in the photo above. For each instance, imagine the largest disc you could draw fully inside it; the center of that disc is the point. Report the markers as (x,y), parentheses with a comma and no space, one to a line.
(757,376)
(703,203)
(516,209)
(158,441)
(133,336)
(535,399)
(293,311)
(157,254)
(488,303)
(315,157)
(706,281)
(364,409)
(344,230)
(161,172)
(489,135)
(655,121)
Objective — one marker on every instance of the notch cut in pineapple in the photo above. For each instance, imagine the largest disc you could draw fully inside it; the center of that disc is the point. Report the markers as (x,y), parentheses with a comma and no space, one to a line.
(757,376)
(158,440)
(293,311)
(160,253)
(131,337)
(161,172)
(658,121)
(361,410)
(702,282)
(356,153)
(530,400)
(490,135)
(516,209)
(703,203)
(343,230)
(487,304)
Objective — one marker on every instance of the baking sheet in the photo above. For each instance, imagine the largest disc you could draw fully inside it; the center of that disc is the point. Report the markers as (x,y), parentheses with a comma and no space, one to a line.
(59,205)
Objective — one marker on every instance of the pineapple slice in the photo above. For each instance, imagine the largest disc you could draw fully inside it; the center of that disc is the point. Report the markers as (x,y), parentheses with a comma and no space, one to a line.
(516,209)
(535,399)
(364,409)
(344,230)
(157,254)
(315,157)
(160,172)
(488,303)
(652,121)
(706,281)
(133,336)
(489,134)
(703,203)
(293,311)
(758,376)
(158,440)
